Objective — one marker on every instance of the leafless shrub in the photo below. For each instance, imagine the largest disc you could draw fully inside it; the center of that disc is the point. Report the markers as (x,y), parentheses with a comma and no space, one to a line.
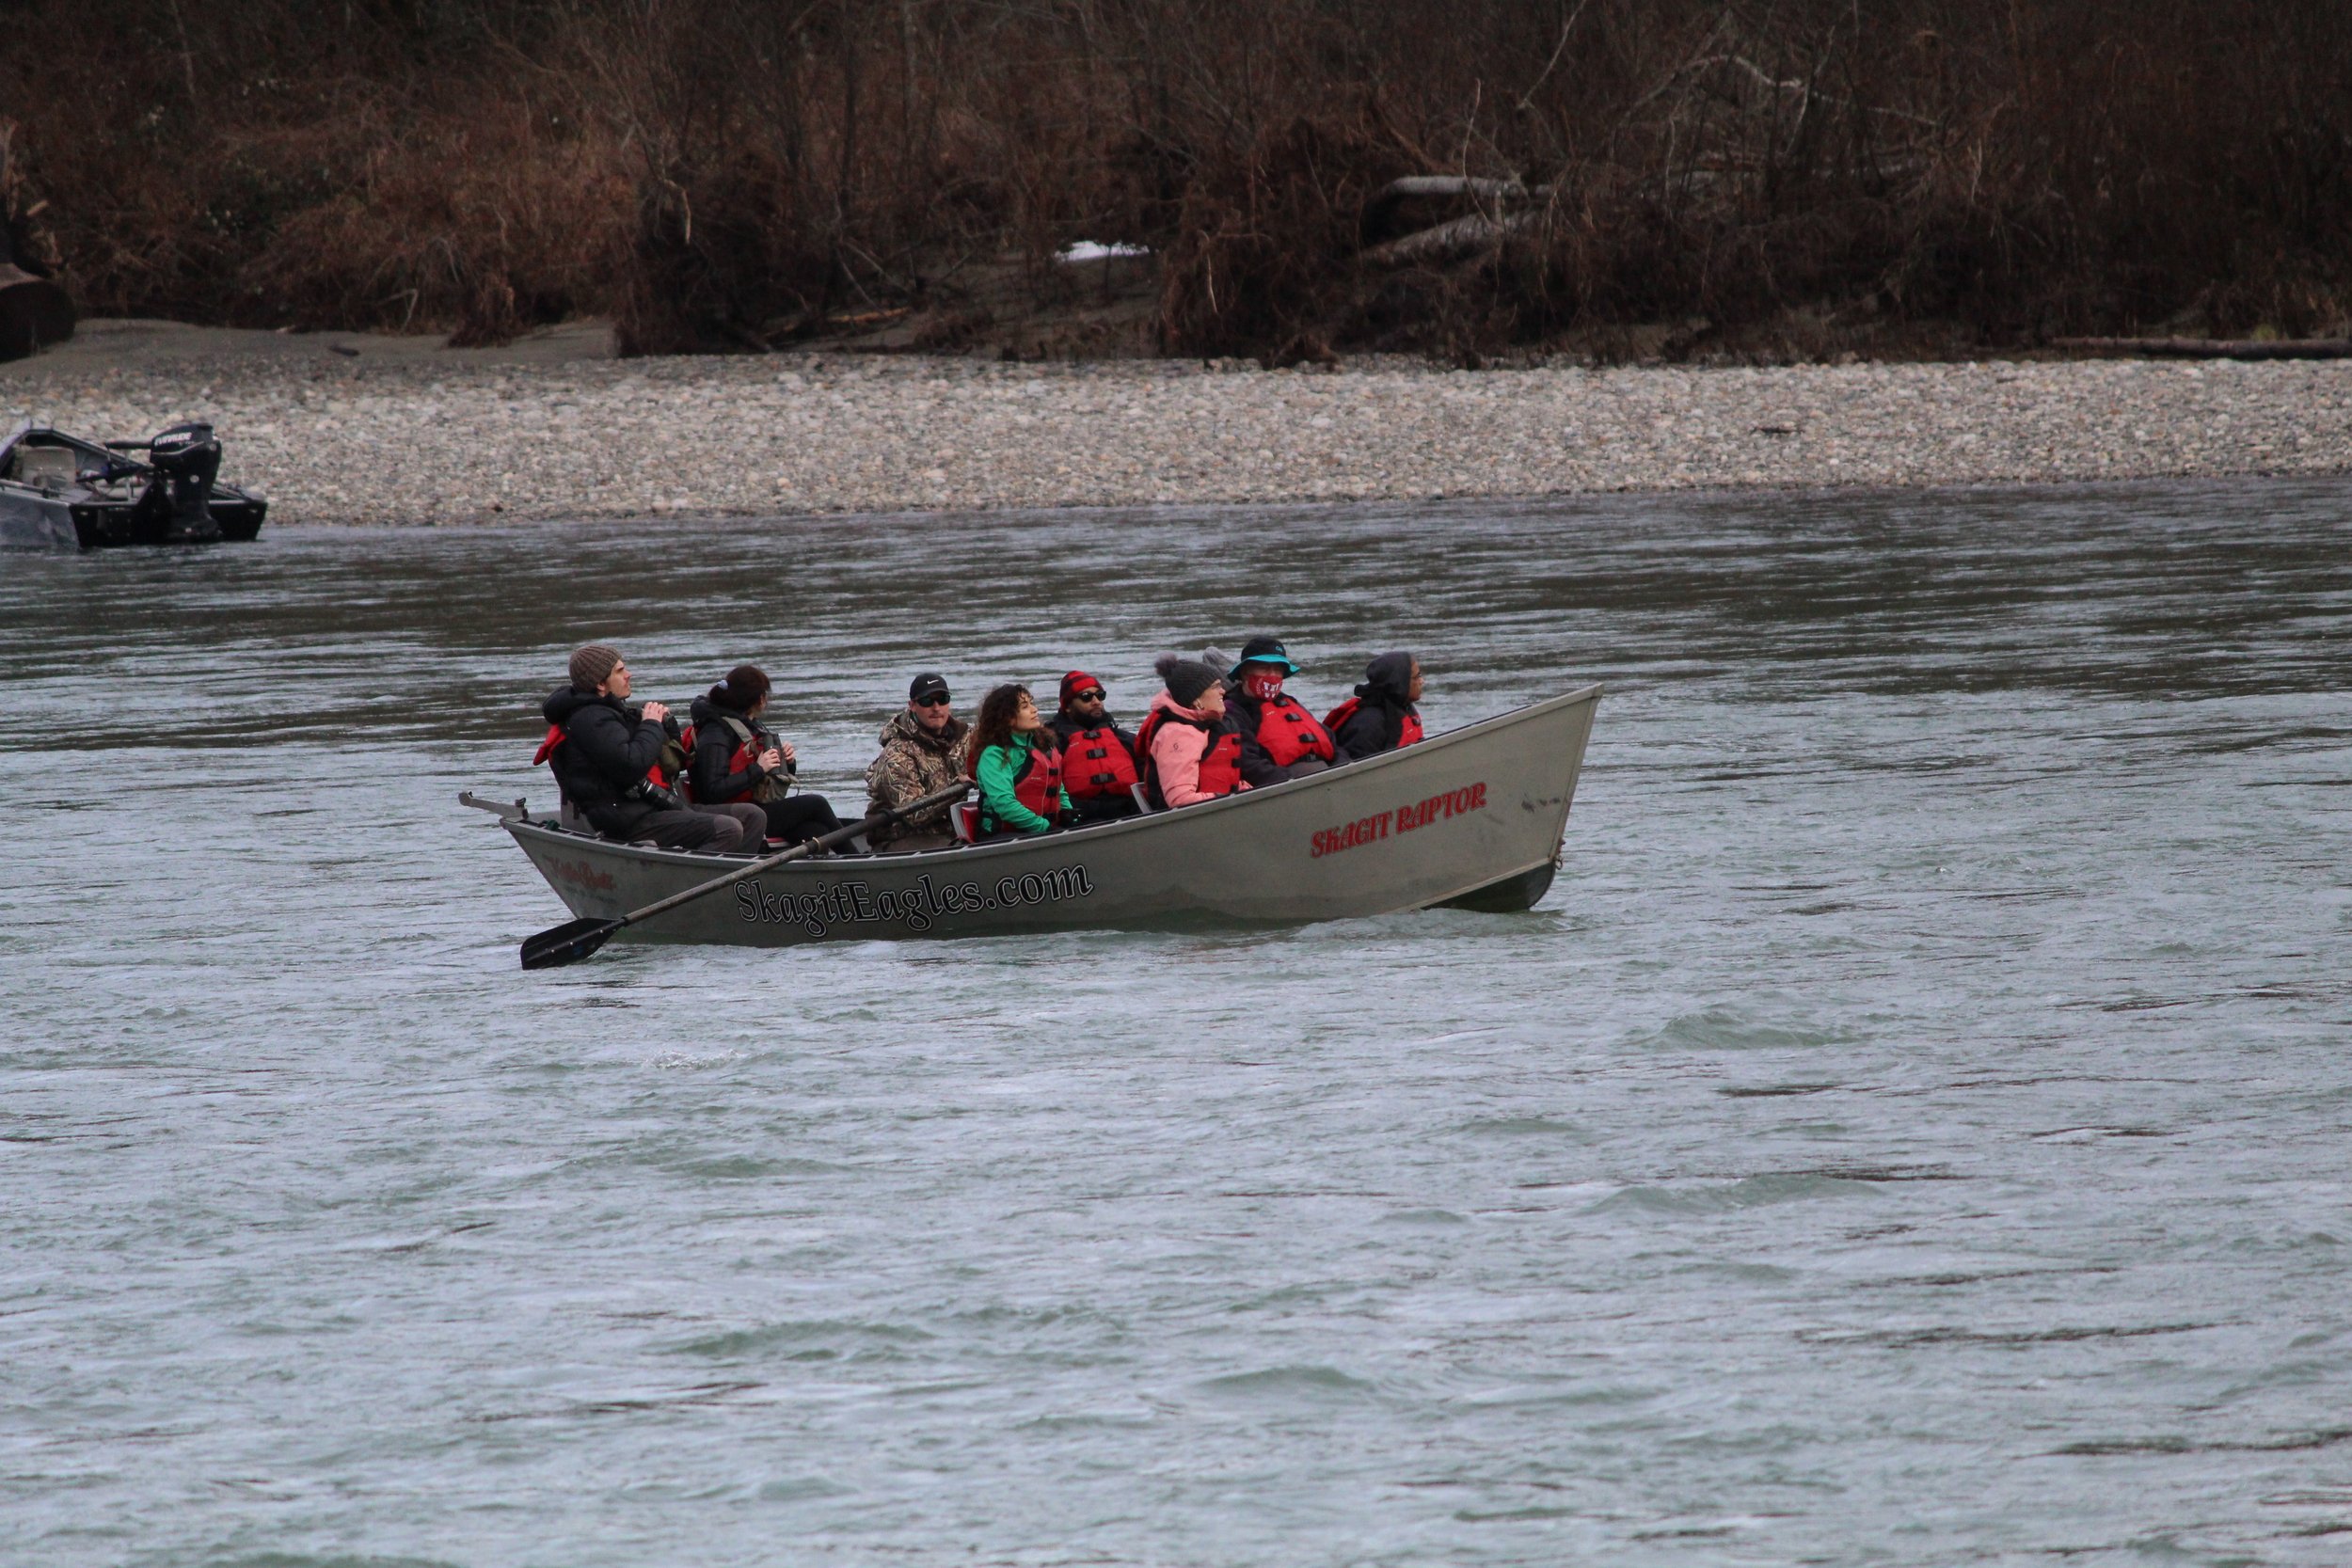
(720,175)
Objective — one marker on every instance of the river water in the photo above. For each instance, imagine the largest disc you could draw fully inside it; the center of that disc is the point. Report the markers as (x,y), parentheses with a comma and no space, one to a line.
(1914,1128)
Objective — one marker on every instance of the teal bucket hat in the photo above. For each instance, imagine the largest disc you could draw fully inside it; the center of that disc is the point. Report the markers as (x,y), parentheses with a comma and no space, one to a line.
(1264,650)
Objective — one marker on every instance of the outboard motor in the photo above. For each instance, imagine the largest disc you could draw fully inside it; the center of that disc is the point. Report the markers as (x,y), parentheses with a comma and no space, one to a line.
(187,458)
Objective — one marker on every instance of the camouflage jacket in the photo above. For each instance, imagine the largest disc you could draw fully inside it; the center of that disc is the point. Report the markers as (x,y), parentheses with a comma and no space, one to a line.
(914,763)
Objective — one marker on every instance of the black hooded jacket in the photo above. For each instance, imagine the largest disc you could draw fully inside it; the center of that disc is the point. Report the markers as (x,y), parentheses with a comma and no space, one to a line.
(1378,724)
(715,742)
(603,758)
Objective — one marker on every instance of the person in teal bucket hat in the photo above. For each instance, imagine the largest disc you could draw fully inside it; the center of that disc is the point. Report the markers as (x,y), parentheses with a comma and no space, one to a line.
(1280,738)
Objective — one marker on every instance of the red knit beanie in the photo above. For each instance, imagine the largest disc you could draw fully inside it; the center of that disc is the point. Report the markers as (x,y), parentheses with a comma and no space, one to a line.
(1076,681)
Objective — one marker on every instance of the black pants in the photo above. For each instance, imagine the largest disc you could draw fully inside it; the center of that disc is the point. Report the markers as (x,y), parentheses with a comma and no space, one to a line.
(1105,808)
(798,819)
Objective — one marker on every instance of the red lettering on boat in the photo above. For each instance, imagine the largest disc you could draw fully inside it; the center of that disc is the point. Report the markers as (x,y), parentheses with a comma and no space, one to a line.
(580,874)
(1405,820)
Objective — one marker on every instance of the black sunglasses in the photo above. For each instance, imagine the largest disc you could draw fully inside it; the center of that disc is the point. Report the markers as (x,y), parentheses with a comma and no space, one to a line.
(1094,696)
(937,700)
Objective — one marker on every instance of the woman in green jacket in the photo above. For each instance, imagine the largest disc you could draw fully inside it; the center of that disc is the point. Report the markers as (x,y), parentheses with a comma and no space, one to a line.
(1013,758)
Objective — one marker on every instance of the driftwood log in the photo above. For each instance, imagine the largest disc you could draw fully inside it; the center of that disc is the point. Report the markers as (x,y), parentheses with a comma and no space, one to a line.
(1448,242)
(2215,348)
(1443,217)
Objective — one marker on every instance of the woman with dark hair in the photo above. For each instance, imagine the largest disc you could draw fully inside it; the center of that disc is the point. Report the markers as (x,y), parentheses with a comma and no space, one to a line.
(1381,716)
(739,759)
(1012,757)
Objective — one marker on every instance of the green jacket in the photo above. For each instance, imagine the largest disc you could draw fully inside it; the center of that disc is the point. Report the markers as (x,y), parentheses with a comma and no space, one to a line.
(999,809)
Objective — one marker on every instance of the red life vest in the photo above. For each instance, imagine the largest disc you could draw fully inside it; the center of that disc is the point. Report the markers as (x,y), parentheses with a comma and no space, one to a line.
(750,743)
(1407,733)
(1288,732)
(1096,762)
(1220,765)
(1221,762)
(1037,784)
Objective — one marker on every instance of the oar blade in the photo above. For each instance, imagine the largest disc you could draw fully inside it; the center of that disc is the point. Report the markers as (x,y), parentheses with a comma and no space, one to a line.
(567,944)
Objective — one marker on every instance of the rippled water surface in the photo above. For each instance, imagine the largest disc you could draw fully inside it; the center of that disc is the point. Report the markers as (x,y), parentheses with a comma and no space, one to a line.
(1916,1127)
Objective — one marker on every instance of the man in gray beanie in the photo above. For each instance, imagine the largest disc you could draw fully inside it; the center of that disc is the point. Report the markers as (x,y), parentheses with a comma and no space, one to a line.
(593,665)
(602,751)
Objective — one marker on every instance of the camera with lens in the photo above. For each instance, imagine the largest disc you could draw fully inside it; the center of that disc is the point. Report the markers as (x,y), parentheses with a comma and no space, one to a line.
(655,795)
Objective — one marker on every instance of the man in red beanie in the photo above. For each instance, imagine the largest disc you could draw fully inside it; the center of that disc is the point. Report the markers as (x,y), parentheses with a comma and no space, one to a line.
(1098,758)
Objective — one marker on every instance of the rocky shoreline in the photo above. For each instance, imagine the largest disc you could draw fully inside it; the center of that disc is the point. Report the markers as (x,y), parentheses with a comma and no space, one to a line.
(369,430)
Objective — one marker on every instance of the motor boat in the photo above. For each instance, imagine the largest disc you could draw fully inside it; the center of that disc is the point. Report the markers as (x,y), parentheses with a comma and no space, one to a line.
(61,492)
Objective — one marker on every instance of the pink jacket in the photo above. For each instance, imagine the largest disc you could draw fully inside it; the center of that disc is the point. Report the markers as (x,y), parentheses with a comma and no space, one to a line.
(1176,753)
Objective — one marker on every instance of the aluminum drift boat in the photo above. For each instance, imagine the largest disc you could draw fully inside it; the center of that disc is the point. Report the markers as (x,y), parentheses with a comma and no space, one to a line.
(1471,818)
(60,492)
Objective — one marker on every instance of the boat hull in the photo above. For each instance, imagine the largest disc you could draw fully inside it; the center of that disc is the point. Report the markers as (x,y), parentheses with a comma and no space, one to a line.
(80,520)
(1474,818)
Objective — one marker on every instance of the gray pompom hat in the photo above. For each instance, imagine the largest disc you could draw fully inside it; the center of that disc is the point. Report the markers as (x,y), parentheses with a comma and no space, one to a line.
(1187,678)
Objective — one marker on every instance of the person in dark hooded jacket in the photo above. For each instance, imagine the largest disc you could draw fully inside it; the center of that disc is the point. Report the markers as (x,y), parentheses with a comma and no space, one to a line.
(603,751)
(1381,716)
(738,759)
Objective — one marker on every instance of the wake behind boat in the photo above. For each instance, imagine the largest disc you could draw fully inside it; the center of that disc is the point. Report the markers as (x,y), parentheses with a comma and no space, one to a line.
(1474,818)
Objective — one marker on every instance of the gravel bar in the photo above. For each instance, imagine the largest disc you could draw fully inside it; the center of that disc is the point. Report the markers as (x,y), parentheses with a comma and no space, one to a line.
(416,441)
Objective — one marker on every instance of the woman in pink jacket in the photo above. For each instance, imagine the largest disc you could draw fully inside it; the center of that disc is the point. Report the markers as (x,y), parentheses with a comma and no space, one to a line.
(1188,752)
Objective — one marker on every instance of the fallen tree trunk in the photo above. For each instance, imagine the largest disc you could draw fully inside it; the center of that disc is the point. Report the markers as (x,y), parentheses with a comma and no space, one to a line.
(1418,202)
(1447,242)
(34,312)
(1456,185)
(2215,348)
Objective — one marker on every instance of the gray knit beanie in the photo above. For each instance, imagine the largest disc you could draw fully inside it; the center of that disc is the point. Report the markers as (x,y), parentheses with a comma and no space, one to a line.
(593,665)
(1187,678)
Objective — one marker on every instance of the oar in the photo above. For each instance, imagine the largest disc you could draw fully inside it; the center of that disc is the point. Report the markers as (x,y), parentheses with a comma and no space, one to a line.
(575,939)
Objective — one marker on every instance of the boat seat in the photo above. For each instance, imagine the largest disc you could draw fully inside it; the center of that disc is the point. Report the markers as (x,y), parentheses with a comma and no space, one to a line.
(47,467)
(966,818)
(1143,799)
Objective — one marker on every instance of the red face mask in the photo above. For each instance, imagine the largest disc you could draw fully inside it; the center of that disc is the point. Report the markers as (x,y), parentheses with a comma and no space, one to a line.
(1265,684)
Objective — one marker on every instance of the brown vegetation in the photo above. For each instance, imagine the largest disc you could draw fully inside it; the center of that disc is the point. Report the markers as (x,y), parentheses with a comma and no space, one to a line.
(1768,176)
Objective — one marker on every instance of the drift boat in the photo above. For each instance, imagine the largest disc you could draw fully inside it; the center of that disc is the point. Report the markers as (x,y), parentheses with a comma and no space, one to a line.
(1471,818)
